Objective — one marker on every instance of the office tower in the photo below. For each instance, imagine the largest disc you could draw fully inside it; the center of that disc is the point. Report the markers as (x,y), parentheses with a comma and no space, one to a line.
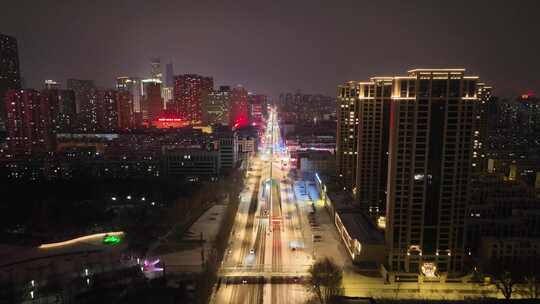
(10,77)
(107,111)
(257,103)
(169,75)
(152,106)
(124,103)
(347,134)
(133,85)
(216,106)
(238,116)
(156,72)
(51,84)
(373,113)
(62,109)
(168,85)
(480,133)
(189,92)
(431,141)
(167,95)
(27,122)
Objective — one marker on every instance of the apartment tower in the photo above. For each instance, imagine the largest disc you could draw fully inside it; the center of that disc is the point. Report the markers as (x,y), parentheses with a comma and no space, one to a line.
(430,155)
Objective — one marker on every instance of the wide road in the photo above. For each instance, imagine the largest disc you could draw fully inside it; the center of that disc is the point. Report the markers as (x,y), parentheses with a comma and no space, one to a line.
(266,258)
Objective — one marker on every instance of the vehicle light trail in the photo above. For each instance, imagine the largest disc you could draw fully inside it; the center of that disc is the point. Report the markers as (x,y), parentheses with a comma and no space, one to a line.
(80,239)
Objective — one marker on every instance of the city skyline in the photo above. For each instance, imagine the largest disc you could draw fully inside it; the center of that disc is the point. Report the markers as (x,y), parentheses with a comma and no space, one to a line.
(239,152)
(312,41)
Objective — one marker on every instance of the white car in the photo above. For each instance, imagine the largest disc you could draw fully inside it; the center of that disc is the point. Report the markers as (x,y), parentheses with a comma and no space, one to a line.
(252,251)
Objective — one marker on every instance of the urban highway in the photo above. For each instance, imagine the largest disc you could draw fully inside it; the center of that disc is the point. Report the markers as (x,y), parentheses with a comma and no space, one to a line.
(267,259)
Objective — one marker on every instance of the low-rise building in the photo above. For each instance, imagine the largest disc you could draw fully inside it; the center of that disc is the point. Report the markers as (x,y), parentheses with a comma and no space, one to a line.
(191,162)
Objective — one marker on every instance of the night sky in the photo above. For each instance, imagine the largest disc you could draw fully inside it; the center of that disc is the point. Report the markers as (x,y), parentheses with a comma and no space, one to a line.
(275,46)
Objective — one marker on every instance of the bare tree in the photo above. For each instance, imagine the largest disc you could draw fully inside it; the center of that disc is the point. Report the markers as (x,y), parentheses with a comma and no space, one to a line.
(504,275)
(325,279)
(532,286)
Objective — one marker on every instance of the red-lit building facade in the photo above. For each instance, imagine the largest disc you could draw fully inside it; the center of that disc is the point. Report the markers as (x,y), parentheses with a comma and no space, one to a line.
(257,104)
(239,116)
(190,91)
(28,122)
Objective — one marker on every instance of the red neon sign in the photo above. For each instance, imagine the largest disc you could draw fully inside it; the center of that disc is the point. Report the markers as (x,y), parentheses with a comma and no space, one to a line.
(170,119)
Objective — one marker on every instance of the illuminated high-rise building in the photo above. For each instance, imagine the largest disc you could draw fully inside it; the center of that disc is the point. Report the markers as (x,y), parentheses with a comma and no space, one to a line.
(85,102)
(480,133)
(169,75)
(168,85)
(133,85)
(62,109)
(432,120)
(51,84)
(10,77)
(156,72)
(373,113)
(28,122)
(81,89)
(124,104)
(152,106)
(257,104)
(167,95)
(107,110)
(238,113)
(216,106)
(190,91)
(347,134)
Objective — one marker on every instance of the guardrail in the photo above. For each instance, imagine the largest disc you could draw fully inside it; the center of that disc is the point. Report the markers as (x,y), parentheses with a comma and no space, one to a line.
(265,271)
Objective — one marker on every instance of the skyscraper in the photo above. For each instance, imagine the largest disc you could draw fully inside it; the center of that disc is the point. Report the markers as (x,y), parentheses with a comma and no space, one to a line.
(61,108)
(347,134)
(168,85)
(431,147)
(28,122)
(169,75)
(480,134)
(124,103)
(51,84)
(85,105)
(152,102)
(107,110)
(216,106)
(167,95)
(133,85)
(156,72)
(189,92)
(373,113)
(257,103)
(10,77)
(238,115)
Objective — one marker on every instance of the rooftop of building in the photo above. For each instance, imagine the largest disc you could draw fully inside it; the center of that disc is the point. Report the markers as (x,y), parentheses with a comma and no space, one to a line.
(317,154)
(360,227)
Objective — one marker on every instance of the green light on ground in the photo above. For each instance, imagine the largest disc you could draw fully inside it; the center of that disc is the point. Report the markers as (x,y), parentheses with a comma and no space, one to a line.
(111,240)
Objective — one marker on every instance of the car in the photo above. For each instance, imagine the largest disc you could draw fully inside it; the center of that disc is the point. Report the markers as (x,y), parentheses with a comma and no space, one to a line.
(252,251)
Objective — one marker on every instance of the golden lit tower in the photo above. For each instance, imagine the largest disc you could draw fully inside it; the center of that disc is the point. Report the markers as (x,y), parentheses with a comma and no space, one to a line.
(430,160)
